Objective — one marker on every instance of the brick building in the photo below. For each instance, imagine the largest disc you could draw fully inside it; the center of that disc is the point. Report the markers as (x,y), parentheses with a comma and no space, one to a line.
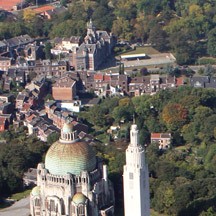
(64,89)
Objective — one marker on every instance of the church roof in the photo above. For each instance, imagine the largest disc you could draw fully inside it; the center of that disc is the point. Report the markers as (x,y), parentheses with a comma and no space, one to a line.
(69,154)
(79,198)
(36,191)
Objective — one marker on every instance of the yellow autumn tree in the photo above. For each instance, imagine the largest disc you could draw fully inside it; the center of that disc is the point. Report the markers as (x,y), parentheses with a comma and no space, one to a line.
(29,15)
(174,115)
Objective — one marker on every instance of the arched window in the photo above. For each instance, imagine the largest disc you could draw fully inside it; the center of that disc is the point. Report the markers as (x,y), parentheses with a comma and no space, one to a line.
(37,202)
(52,205)
(81,210)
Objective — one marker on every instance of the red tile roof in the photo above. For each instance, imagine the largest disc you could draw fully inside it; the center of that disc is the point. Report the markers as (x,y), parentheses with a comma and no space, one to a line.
(2,120)
(179,81)
(98,77)
(43,8)
(31,117)
(155,135)
(8,4)
(107,78)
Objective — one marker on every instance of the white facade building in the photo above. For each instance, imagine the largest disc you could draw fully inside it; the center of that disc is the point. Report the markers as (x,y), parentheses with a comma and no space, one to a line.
(136,178)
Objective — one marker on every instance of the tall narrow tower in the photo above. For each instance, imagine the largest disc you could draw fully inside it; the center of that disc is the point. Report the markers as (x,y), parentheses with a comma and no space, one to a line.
(136,178)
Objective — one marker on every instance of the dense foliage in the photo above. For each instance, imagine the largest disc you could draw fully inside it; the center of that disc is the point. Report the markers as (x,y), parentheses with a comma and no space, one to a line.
(186,28)
(182,178)
(17,153)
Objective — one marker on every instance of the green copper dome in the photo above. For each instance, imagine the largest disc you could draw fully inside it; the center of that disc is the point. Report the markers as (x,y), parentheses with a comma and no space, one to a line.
(36,191)
(79,198)
(72,157)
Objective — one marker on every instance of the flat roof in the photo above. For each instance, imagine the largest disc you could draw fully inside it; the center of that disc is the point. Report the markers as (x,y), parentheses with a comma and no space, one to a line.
(133,55)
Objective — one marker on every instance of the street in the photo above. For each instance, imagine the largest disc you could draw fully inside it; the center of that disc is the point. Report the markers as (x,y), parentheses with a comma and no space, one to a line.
(19,208)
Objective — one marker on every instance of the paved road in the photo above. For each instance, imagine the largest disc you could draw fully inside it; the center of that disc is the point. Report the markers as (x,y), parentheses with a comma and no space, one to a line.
(20,208)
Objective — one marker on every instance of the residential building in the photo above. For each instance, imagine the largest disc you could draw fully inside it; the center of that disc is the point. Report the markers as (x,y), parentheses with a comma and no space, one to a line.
(64,89)
(5,63)
(163,139)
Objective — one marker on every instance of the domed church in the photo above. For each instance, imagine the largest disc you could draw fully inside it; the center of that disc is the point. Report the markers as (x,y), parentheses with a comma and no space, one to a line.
(72,182)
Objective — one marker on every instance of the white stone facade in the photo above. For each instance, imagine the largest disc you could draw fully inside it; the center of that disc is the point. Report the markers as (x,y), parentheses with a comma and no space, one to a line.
(136,178)
(88,194)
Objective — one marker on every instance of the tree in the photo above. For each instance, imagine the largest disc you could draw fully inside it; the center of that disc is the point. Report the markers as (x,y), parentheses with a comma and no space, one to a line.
(121,28)
(158,38)
(209,70)
(29,15)
(144,71)
(211,45)
(47,50)
(63,2)
(52,138)
(174,115)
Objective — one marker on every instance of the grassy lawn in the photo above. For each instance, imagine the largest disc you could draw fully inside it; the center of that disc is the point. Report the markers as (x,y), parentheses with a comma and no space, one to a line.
(140,50)
(21,195)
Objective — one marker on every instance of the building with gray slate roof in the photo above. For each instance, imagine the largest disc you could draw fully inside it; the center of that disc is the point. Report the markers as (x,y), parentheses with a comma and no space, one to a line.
(94,50)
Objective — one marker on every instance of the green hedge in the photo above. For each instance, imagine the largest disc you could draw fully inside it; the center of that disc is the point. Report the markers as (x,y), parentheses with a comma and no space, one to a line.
(204,61)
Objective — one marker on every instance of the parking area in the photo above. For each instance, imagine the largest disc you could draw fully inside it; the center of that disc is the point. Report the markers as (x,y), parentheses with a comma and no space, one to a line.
(155,59)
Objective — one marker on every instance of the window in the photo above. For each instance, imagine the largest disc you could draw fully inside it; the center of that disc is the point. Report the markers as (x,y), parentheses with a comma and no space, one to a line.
(130,175)
(37,202)
(81,210)
(52,205)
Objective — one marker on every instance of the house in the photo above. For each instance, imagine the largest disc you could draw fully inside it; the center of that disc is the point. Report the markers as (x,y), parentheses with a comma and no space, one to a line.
(5,63)
(38,88)
(64,89)
(33,52)
(4,123)
(163,139)
(50,108)
(6,108)
(211,83)
(50,68)
(73,106)
(49,14)
(139,85)
(155,82)
(65,45)
(7,84)
(16,75)
(20,99)
(79,127)
(19,41)
(45,129)
(40,126)
(7,98)
(199,82)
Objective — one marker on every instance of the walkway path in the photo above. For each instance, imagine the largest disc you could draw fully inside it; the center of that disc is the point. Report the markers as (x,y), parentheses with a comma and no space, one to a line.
(19,208)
